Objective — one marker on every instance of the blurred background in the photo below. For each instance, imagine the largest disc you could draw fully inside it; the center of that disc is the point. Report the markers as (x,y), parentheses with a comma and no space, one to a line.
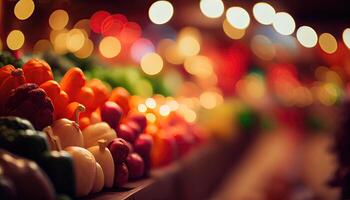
(277,71)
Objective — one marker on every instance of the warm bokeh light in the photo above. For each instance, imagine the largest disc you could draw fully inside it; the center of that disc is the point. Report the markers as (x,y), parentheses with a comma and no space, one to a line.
(172,53)
(24,9)
(140,48)
(151,63)
(328,94)
(83,24)
(251,88)
(262,47)
(160,12)
(42,46)
(346,37)
(15,40)
(238,17)
(59,44)
(164,110)
(75,40)
(284,23)
(188,46)
(264,13)
(110,47)
(232,32)
(190,115)
(209,100)
(58,19)
(173,105)
(151,103)
(86,50)
(142,108)
(0,45)
(97,19)
(151,117)
(200,66)
(212,8)
(307,36)
(328,43)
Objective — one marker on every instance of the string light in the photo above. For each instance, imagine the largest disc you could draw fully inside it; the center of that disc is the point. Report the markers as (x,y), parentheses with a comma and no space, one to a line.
(15,40)
(284,23)
(151,63)
(328,43)
(238,17)
(110,47)
(24,9)
(160,12)
(264,13)
(212,8)
(307,36)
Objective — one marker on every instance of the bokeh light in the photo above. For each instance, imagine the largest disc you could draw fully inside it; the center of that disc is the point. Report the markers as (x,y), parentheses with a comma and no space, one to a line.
(110,47)
(59,44)
(151,103)
(83,24)
(264,13)
(307,36)
(160,12)
(75,40)
(24,9)
(97,19)
(42,46)
(151,64)
(210,99)
(142,108)
(232,32)
(58,19)
(212,8)
(346,37)
(284,23)
(200,66)
(238,17)
(140,48)
(164,110)
(188,46)
(86,49)
(328,43)
(262,47)
(15,40)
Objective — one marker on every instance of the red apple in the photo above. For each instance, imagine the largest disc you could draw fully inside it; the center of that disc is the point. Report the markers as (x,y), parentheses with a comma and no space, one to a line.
(139,119)
(121,174)
(143,145)
(119,150)
(125,132)
(111,113)
(135,166)
(135,127)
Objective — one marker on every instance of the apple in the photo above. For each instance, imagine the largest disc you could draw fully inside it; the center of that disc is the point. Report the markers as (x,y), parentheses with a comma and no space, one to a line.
(121,174)
(127,133)
(143,146)
(139,119)
(164,150)
(135,127)
(135,166)
(111,113)
(119,150)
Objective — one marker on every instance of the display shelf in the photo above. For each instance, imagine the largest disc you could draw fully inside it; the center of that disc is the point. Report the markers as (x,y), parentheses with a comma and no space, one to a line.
(194,177)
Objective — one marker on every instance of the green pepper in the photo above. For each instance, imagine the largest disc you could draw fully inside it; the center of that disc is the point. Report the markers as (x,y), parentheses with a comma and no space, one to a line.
(58,165)
(18,136)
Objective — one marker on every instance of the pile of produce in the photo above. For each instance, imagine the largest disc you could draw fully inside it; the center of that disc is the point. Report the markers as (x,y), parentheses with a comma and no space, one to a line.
(77,136)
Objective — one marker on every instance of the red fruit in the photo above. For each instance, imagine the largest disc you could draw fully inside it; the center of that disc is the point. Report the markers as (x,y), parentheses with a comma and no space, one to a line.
(139,119)
(119,150)
(134,127)
(125,132)
(143,145)
(135,166)
(121,175)
(111,113)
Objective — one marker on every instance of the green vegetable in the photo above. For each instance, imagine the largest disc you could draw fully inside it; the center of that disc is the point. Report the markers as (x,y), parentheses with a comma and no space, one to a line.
(58,165)
(18,136)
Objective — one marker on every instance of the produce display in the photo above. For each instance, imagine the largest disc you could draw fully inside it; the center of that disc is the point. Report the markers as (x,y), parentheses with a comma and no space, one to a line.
(79,135)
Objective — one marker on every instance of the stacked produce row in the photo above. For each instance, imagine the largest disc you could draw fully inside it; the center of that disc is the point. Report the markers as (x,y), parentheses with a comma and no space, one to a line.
(77,136)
